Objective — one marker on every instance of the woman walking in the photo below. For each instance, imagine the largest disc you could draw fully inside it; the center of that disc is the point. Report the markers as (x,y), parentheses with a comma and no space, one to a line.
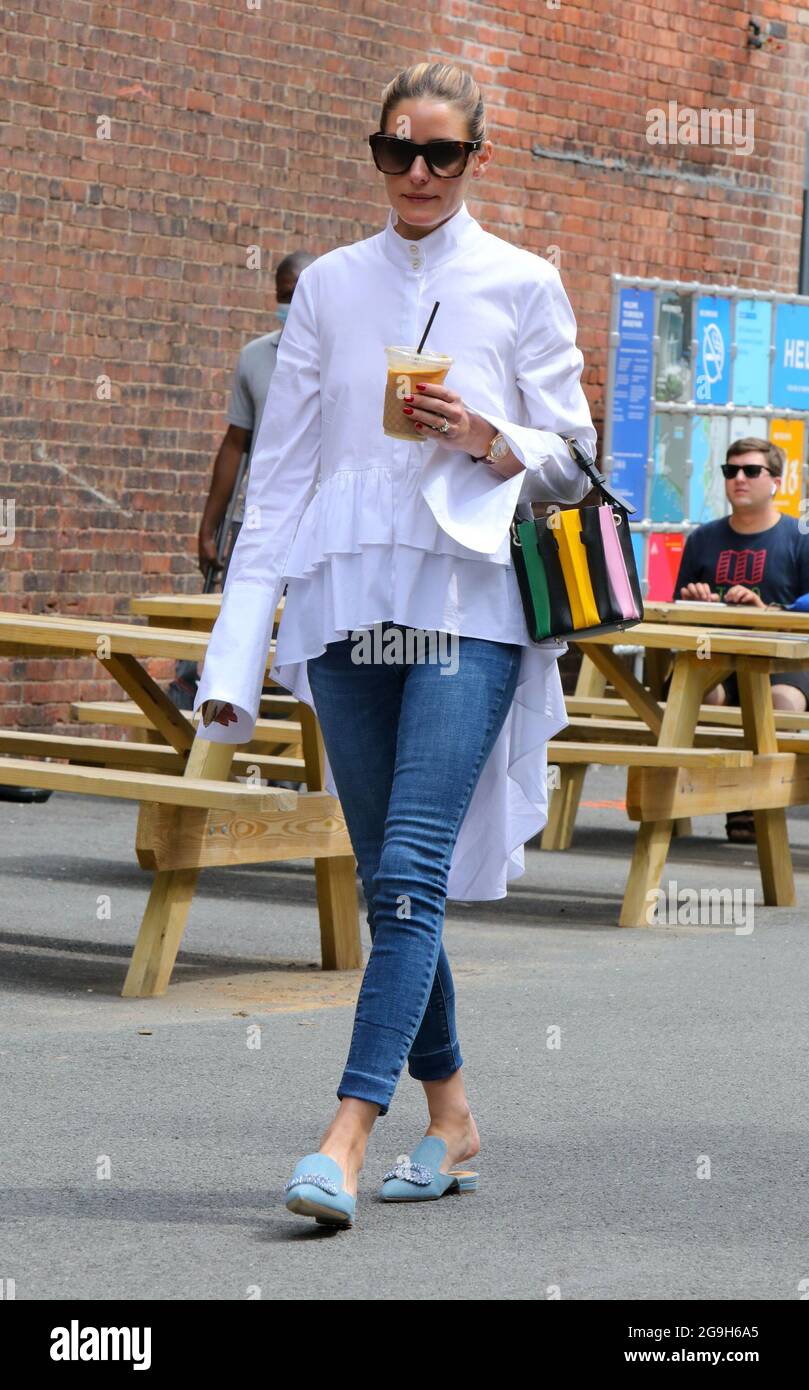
(439,765)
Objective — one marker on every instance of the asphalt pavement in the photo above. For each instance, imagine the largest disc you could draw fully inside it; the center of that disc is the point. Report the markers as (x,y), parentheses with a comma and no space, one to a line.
(641,1094)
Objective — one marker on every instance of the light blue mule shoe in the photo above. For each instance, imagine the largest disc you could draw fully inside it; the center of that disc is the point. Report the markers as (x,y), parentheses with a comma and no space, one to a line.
(316,1189)
(415,1177)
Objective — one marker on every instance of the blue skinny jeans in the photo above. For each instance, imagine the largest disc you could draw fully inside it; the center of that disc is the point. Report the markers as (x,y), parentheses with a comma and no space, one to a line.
(406,745)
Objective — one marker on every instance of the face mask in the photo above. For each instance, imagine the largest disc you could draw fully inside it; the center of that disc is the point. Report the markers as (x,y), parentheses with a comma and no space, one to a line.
(281,312)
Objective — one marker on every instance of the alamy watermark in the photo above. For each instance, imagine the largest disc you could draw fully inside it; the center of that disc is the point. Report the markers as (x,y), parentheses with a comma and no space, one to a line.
(77,1343)
(411,645)
(704,907)
(690,125)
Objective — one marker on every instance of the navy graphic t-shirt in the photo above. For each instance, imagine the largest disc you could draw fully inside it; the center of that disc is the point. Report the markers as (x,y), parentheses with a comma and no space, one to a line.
(773,563)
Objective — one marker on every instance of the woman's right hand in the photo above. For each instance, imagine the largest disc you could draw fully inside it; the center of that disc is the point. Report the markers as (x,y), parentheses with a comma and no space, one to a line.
(218,711)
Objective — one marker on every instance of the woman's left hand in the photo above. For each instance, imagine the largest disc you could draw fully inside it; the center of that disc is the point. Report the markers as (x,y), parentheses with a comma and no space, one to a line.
(466,431)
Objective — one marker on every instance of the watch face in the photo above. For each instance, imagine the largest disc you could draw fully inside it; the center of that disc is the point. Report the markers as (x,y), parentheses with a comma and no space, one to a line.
(499,447)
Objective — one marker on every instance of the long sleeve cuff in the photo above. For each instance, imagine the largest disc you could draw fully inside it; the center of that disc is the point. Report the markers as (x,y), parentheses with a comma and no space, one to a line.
(475,506)
(553,475)
(236,659)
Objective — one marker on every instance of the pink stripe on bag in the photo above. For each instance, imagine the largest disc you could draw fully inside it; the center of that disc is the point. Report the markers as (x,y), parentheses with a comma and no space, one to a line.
(616,565)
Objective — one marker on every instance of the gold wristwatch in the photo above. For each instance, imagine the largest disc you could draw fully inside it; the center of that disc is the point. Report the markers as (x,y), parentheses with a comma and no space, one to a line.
(498,449)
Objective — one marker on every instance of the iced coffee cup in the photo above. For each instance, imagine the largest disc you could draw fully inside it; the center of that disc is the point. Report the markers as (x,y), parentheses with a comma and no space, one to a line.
(406,366)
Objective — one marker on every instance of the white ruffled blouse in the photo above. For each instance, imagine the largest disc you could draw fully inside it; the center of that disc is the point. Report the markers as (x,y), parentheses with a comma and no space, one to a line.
(365,529)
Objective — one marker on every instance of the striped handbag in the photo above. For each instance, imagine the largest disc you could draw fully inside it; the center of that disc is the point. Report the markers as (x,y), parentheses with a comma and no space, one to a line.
(576,567)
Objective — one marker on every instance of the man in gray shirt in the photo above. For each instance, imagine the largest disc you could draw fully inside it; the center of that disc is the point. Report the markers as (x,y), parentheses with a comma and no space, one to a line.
(249,388)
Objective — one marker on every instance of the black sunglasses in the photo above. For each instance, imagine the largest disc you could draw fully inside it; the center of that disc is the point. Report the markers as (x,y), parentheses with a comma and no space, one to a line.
(446,159)
(750,470)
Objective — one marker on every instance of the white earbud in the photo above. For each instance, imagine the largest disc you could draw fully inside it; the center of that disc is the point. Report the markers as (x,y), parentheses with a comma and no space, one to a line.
(773,489)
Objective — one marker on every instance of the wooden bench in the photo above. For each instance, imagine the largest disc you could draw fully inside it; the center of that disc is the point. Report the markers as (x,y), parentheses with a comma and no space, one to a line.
(630,755)
(273,735)
(136,757)
(634,731)
(612,707)
(161,788)
(126,714)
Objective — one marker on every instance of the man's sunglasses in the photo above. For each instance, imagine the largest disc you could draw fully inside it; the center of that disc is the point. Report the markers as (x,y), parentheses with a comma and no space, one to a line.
(750,470)
(444,158)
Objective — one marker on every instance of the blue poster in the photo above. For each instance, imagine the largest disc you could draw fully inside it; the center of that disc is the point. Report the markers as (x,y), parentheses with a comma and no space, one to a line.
(712,385)
(743,426)
(632,394)
(670,471)
(751,369)
(639,548)
(790,376)
(707,499)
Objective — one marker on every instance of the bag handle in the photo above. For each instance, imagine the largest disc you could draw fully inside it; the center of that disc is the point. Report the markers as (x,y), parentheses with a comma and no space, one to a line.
(524,511)
(597,478)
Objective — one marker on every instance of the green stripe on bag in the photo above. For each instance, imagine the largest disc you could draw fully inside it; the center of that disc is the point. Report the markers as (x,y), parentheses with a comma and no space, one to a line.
(537,579)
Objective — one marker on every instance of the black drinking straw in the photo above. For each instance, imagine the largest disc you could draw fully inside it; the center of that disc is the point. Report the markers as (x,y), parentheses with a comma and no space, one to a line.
(429,326)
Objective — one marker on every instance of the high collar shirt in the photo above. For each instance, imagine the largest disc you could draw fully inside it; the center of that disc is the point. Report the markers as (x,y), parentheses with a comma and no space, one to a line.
(363,528)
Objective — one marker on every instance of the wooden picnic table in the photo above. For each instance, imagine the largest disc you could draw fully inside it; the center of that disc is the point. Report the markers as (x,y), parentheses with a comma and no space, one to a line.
(196,612)
(659,797)
(687,613)
(690,613)
(192,815)
(187,610)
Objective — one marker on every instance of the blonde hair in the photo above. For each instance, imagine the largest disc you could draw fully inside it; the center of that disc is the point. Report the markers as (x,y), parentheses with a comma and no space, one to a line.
(444,82)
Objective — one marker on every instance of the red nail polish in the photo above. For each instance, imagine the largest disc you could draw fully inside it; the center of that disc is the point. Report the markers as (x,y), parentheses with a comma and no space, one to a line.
(408,398)
(420,386)
(407,409)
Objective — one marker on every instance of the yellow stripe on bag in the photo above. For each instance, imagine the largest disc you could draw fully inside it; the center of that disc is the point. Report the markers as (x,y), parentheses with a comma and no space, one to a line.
(575,569)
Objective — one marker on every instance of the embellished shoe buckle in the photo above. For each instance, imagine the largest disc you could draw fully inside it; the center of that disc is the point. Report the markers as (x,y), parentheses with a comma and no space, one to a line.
(317,1179)
(409,1171)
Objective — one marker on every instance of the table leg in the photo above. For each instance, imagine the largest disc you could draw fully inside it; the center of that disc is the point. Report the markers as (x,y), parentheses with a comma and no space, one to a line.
(564,800)
(654,837)
(171,894)
(335,876)
(683,826)
(656,663)
(758,720)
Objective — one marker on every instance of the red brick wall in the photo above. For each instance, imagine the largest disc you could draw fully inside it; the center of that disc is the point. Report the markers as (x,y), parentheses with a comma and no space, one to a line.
(125,258)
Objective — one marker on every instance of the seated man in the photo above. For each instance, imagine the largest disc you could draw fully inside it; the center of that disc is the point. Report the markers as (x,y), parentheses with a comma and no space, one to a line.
(756,556)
